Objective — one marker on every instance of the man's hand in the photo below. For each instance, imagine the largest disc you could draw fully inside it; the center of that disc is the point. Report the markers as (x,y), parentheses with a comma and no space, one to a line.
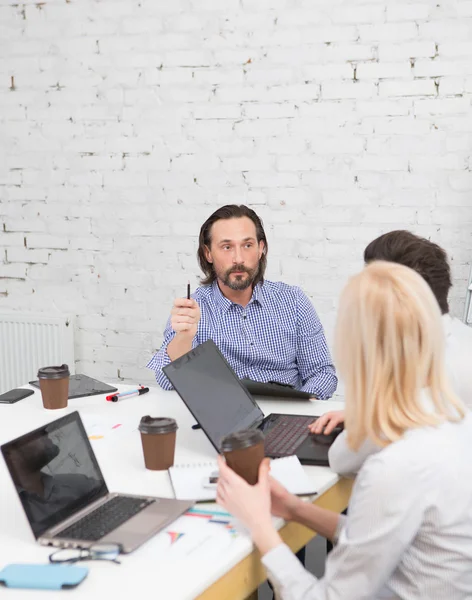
(185,316)
(327,422)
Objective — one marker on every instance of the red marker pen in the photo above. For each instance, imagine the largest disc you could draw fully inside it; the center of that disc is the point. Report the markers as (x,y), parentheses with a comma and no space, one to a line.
(115,397)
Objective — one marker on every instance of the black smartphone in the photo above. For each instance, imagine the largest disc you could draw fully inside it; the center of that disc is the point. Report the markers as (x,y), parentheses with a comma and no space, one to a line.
(14,395)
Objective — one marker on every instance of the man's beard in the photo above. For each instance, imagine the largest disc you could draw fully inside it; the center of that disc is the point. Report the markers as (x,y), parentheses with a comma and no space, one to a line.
(240,282)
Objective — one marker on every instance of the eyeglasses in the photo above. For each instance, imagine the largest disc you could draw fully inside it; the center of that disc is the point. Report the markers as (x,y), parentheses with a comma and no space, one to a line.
(96,552)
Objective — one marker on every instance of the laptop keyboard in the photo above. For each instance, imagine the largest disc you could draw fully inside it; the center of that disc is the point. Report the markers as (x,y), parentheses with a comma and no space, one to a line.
(105,518)
(287,435)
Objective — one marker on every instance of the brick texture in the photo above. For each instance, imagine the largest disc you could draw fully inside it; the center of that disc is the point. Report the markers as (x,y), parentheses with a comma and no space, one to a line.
(125,123)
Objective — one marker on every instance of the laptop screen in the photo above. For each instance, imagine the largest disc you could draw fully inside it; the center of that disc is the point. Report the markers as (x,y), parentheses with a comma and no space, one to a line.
(55,472)
(212,392)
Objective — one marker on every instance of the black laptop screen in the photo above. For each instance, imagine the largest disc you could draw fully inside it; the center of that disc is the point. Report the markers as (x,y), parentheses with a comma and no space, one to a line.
(55,472)
(212,392)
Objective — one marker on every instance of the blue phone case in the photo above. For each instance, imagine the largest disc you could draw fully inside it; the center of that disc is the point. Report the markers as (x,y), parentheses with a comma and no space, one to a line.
(42,577)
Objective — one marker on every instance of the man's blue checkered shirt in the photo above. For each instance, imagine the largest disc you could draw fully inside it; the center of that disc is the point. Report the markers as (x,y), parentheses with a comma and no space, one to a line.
(276,337)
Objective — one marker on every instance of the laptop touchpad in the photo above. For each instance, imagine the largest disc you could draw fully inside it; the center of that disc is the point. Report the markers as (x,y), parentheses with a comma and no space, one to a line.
(325,439)
(140,525)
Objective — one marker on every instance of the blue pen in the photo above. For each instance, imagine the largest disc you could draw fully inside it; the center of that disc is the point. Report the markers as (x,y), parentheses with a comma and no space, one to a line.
(115,397)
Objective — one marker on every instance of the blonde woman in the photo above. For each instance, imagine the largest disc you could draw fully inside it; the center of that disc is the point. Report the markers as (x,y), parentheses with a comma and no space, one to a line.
(408,534)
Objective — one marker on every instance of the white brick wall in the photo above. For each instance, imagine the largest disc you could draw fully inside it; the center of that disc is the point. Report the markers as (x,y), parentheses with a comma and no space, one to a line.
(125,123)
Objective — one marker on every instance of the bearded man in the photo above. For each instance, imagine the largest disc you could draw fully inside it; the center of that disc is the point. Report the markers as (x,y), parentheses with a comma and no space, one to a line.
(267,331)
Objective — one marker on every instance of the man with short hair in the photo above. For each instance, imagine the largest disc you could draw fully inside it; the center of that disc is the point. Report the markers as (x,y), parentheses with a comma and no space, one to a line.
(267,331)
(430,261)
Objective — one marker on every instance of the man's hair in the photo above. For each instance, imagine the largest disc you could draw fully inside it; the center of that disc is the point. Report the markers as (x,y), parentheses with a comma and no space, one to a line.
(230,211)
(426,258)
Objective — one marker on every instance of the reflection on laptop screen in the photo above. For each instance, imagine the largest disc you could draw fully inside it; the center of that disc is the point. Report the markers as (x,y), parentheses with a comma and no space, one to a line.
(212,392)
(54,471)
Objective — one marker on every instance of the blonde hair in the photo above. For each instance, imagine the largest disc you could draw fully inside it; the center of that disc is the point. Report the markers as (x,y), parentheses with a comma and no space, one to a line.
(389,346)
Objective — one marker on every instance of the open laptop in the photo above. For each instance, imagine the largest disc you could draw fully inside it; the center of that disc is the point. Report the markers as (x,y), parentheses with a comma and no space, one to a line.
(221,405)
(66,499)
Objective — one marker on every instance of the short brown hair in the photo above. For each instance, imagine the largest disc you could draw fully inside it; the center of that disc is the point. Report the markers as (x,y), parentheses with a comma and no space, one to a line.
(426,258)
(230,211)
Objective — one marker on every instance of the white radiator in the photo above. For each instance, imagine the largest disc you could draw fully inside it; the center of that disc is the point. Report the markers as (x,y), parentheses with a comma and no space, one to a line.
(29,342)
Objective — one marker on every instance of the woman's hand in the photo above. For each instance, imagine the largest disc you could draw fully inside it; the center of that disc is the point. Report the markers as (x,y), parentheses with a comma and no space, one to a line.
(283,503)
(327,422)
(249,503)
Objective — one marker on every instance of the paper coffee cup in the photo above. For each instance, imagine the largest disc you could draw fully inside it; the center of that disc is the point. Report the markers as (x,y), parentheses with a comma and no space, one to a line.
(244,452)
(54,385)
(158,437)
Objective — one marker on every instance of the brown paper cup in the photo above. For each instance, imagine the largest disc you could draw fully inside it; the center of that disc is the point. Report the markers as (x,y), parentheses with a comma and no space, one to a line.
(54,385)
(55,392)
(244,452)
(158,450)
(246,462)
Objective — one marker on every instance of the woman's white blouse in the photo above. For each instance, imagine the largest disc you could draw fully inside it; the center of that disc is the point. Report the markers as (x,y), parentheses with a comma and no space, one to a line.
(408,533)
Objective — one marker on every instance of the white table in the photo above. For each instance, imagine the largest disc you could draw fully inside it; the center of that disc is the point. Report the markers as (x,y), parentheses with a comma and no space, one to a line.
(142,573)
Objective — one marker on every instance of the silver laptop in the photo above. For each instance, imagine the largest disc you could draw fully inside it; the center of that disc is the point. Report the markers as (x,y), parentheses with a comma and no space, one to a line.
(66,499)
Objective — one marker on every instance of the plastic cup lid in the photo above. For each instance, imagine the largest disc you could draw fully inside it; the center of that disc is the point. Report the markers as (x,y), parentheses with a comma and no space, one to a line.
(54,372)
(157,425)
(241,439)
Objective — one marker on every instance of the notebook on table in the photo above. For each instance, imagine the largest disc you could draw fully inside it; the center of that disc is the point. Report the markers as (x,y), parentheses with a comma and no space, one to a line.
(83,385)
(66,499)
(199,480)
(222,405)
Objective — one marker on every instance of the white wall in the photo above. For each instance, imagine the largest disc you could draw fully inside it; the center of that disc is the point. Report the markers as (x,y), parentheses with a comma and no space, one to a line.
(125,123)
